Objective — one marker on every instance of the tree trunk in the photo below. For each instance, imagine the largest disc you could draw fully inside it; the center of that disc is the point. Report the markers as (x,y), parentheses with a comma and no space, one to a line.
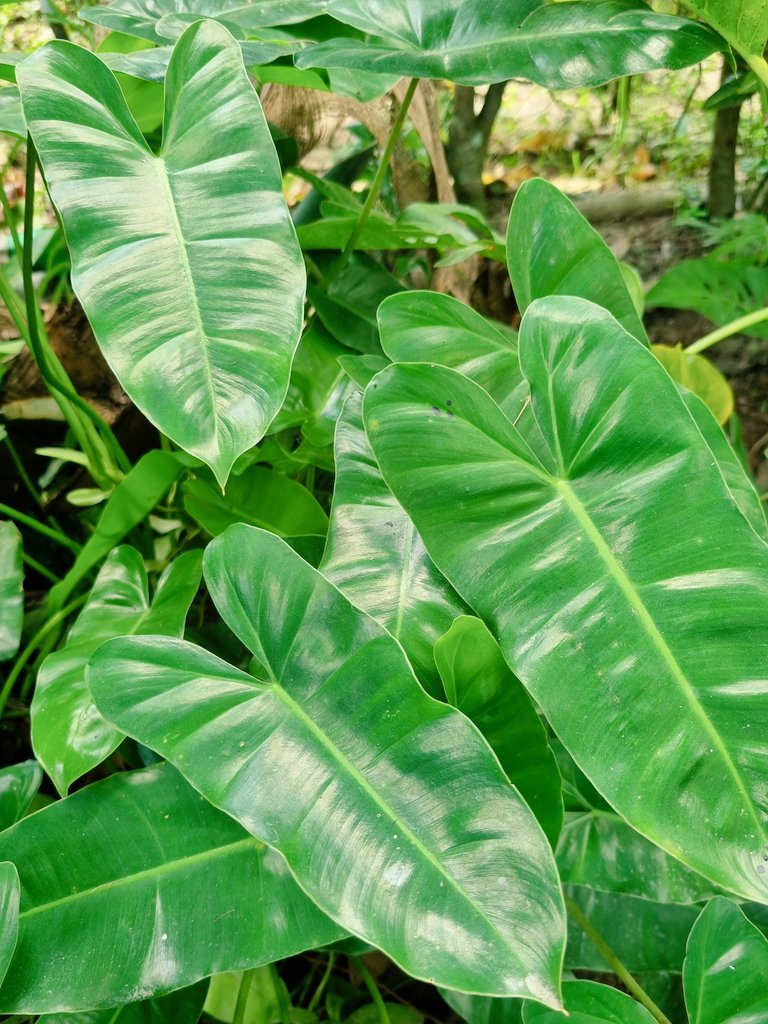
(468,138)
(722,164)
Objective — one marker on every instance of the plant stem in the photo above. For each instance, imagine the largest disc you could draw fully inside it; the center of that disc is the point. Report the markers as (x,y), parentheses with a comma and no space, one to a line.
(10,220)
(734,327)
(39,568)
(378,181)
(613,961)
(323,982)
(283,1002)
(53,623)
(54,535)
(372,987)
(759,65)
(242,996)
(13,305)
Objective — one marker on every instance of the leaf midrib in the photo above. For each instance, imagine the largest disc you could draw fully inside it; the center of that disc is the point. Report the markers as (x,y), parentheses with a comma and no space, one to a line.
(386,809)
(155,872)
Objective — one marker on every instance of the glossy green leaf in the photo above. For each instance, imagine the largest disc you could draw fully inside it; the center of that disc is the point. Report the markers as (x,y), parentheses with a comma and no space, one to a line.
(480,684)
(587,1002)
(11,115)
(579,567)
(11,590)
(182,1007)
(146,888)
(598,849)
(187,263)
(559,46)
(725,974)
(738,482)
(377,559)
(18,785)
(258,497)
(69,736)
(9,915)
(389,807)
(140,17)
(261,1005)
(427,327)
(553,250)
(151,65)
(142,91)
(645,935)
(315,374)
(484,1009)
(744,23)
(133,499)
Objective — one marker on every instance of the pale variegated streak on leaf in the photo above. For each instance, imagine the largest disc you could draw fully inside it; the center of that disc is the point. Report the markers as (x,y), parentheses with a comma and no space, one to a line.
(9,914)
(181,1007)
(144,888)
(559,46)
(598,849)
(375,556)
(11,590)
(186,263)
(624,586)
(726,968)
(744,23)
(140,17)
(69,735)
(390,808)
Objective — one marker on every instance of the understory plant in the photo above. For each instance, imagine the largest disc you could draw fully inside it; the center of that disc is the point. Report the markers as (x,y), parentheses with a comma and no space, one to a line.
(413,633)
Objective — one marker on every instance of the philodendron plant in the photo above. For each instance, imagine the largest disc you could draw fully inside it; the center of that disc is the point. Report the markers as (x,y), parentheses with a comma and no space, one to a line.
(477,675)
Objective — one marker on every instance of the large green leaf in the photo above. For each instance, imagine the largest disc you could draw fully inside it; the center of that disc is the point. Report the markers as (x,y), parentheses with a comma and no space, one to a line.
(132,501)
(258,497)
(598,849)
(553,250)
(425,327)
(9,915)
(559,46)
(377,559)
(136,886)
(140,17)
(744,23)
(187,263)
(69,735)
(182,1007)
(726,968)
(642,639)
(590,1003)
(11,115)
(18,785)
(484,1009)
(480,684)
(11,590)
(389,807)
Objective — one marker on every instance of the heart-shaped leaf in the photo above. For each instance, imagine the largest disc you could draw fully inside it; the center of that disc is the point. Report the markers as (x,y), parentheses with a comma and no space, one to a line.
(69,735)
(341,762)
(147,888)
(186,263)
(645,651)
(559,46)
